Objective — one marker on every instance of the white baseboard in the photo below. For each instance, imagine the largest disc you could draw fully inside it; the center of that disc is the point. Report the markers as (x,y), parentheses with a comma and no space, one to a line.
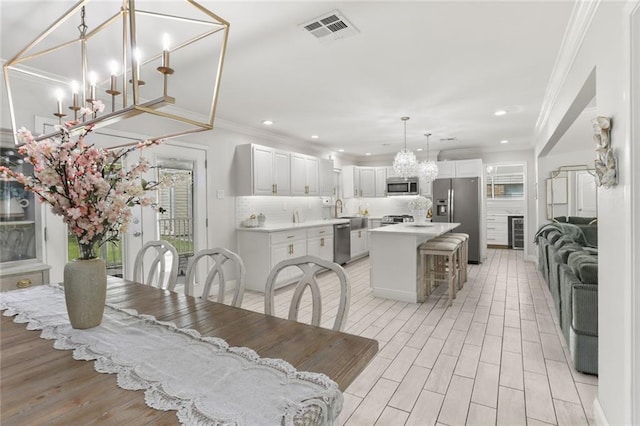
(598,414)
(403,296)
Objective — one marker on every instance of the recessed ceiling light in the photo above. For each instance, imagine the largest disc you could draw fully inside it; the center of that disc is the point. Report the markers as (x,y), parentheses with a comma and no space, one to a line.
(314,136)
(504,141)
(368,153)
(500,112)
(419,149)
(267,122)
(341,150)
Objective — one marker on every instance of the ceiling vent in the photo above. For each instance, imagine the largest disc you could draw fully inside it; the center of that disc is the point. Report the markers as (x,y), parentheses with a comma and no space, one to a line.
(330,27)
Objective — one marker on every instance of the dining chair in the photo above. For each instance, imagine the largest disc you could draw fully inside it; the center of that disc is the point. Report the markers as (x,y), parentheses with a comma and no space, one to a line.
(310,266)
(159,250)
(219,256)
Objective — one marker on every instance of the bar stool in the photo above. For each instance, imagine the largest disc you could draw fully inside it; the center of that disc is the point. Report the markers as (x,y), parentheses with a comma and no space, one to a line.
(438,260)
(463,255)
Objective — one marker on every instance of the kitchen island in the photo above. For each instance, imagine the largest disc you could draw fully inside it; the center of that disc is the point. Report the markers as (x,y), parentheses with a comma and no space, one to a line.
(394,258)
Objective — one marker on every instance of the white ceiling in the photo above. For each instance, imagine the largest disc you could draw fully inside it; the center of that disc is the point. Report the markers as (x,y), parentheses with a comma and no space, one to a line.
(447,65)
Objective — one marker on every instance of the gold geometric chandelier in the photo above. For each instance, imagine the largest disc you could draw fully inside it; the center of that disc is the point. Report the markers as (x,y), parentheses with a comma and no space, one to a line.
(154,62)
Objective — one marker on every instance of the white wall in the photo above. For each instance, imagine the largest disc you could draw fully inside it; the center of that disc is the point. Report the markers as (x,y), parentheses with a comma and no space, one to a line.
(605,47)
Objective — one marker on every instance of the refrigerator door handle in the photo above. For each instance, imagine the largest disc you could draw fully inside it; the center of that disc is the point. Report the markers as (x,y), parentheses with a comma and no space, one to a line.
(451,206)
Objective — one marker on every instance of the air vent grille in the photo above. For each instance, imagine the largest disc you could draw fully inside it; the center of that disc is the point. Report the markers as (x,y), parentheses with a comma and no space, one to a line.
(330,27)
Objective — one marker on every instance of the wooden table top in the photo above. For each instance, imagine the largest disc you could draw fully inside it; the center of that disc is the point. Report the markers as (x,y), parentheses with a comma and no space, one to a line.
(40,384)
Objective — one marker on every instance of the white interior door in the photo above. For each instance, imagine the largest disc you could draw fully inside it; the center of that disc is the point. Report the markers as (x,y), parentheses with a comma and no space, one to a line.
(146,221)
(586,195)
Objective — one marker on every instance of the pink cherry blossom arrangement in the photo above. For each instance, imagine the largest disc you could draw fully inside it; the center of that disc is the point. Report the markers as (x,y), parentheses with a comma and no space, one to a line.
(85,184)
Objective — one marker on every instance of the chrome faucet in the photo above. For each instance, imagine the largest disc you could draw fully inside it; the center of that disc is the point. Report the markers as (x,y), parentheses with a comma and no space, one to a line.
(336,207)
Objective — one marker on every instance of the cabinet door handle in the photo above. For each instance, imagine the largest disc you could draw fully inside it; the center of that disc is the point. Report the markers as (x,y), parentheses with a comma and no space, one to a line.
(24,283)
(321,242)
(359,234)
(291,248)
(276,188)
(290,236)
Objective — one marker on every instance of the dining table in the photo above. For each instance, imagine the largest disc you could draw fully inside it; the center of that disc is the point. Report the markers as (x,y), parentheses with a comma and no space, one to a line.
(42,385)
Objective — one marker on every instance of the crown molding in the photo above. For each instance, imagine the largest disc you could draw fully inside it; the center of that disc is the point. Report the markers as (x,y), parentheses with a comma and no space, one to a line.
(579,23)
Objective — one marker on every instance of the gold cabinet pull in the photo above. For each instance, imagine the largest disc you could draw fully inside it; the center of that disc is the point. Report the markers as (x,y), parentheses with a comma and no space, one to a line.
(321,242)
(24,283)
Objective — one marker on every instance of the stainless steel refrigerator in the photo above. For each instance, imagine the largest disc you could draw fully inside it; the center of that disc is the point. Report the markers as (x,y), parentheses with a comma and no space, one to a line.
(458,200)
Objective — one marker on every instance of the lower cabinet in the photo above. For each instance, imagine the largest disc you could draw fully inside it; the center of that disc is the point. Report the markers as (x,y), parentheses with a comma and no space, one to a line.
(497,230)
(320,242)
(359,245)
(261,250)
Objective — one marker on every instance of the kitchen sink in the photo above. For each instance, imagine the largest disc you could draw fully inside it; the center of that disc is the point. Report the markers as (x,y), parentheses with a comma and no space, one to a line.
(357,222)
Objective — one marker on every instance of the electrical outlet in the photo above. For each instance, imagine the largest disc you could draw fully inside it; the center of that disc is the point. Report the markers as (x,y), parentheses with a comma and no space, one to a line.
(220,194)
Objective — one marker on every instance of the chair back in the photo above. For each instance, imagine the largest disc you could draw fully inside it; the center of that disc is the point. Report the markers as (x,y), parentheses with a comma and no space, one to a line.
(156,276)
(219,256)
(310,267)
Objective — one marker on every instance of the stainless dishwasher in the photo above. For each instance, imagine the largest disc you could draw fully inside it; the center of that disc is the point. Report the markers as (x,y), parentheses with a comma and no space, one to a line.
(341,243)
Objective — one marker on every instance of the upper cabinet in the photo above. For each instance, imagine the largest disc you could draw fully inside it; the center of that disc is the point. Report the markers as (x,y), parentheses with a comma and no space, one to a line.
(364,181)
(326,177)
(261,170)
(304,175)
(459,168)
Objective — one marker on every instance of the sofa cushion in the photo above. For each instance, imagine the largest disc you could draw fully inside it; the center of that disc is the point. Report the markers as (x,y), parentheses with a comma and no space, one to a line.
(584,266)
(562,241)
(564,251)
(552,237)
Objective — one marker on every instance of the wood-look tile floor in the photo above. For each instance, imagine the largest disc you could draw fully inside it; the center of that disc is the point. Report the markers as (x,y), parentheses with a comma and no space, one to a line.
(495,357)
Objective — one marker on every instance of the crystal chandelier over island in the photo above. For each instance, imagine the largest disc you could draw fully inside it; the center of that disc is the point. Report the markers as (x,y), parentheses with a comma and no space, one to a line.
(428,170)
(405,164)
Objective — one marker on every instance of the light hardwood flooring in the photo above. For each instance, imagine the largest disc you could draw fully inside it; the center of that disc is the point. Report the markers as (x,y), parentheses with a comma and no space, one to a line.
(495,357)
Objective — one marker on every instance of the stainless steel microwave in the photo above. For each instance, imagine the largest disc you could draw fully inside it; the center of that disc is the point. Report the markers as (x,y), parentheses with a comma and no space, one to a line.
(402,186)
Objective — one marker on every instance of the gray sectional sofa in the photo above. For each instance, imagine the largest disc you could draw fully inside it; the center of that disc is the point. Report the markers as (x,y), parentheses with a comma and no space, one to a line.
(568,259)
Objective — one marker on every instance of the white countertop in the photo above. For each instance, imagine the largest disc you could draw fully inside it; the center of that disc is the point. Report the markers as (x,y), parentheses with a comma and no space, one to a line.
(287,226)
(409,228)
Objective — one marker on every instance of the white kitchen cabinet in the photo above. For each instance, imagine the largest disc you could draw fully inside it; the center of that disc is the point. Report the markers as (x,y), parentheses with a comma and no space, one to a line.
(426,188)
(261,170)
(367,181)
(326,177)
(381,181)
(497,230)
(469,168)
(320,242)
(459,168)
(359,244)
(363,181)
(304,175)
(262,250)
(446,169)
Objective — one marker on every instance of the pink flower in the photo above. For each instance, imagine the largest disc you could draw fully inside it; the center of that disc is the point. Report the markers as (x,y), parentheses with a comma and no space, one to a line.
(84,184)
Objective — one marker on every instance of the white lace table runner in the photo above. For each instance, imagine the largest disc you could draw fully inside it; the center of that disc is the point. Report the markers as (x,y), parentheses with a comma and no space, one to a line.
(204,379)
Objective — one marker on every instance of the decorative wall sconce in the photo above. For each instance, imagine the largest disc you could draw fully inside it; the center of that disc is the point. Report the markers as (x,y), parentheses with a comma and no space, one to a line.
(606,163)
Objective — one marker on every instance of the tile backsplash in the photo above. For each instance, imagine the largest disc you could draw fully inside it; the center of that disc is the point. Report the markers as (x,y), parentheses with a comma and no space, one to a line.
(281,209)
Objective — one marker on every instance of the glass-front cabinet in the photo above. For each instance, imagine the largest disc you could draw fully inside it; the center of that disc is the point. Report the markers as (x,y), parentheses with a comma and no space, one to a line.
(20,228)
